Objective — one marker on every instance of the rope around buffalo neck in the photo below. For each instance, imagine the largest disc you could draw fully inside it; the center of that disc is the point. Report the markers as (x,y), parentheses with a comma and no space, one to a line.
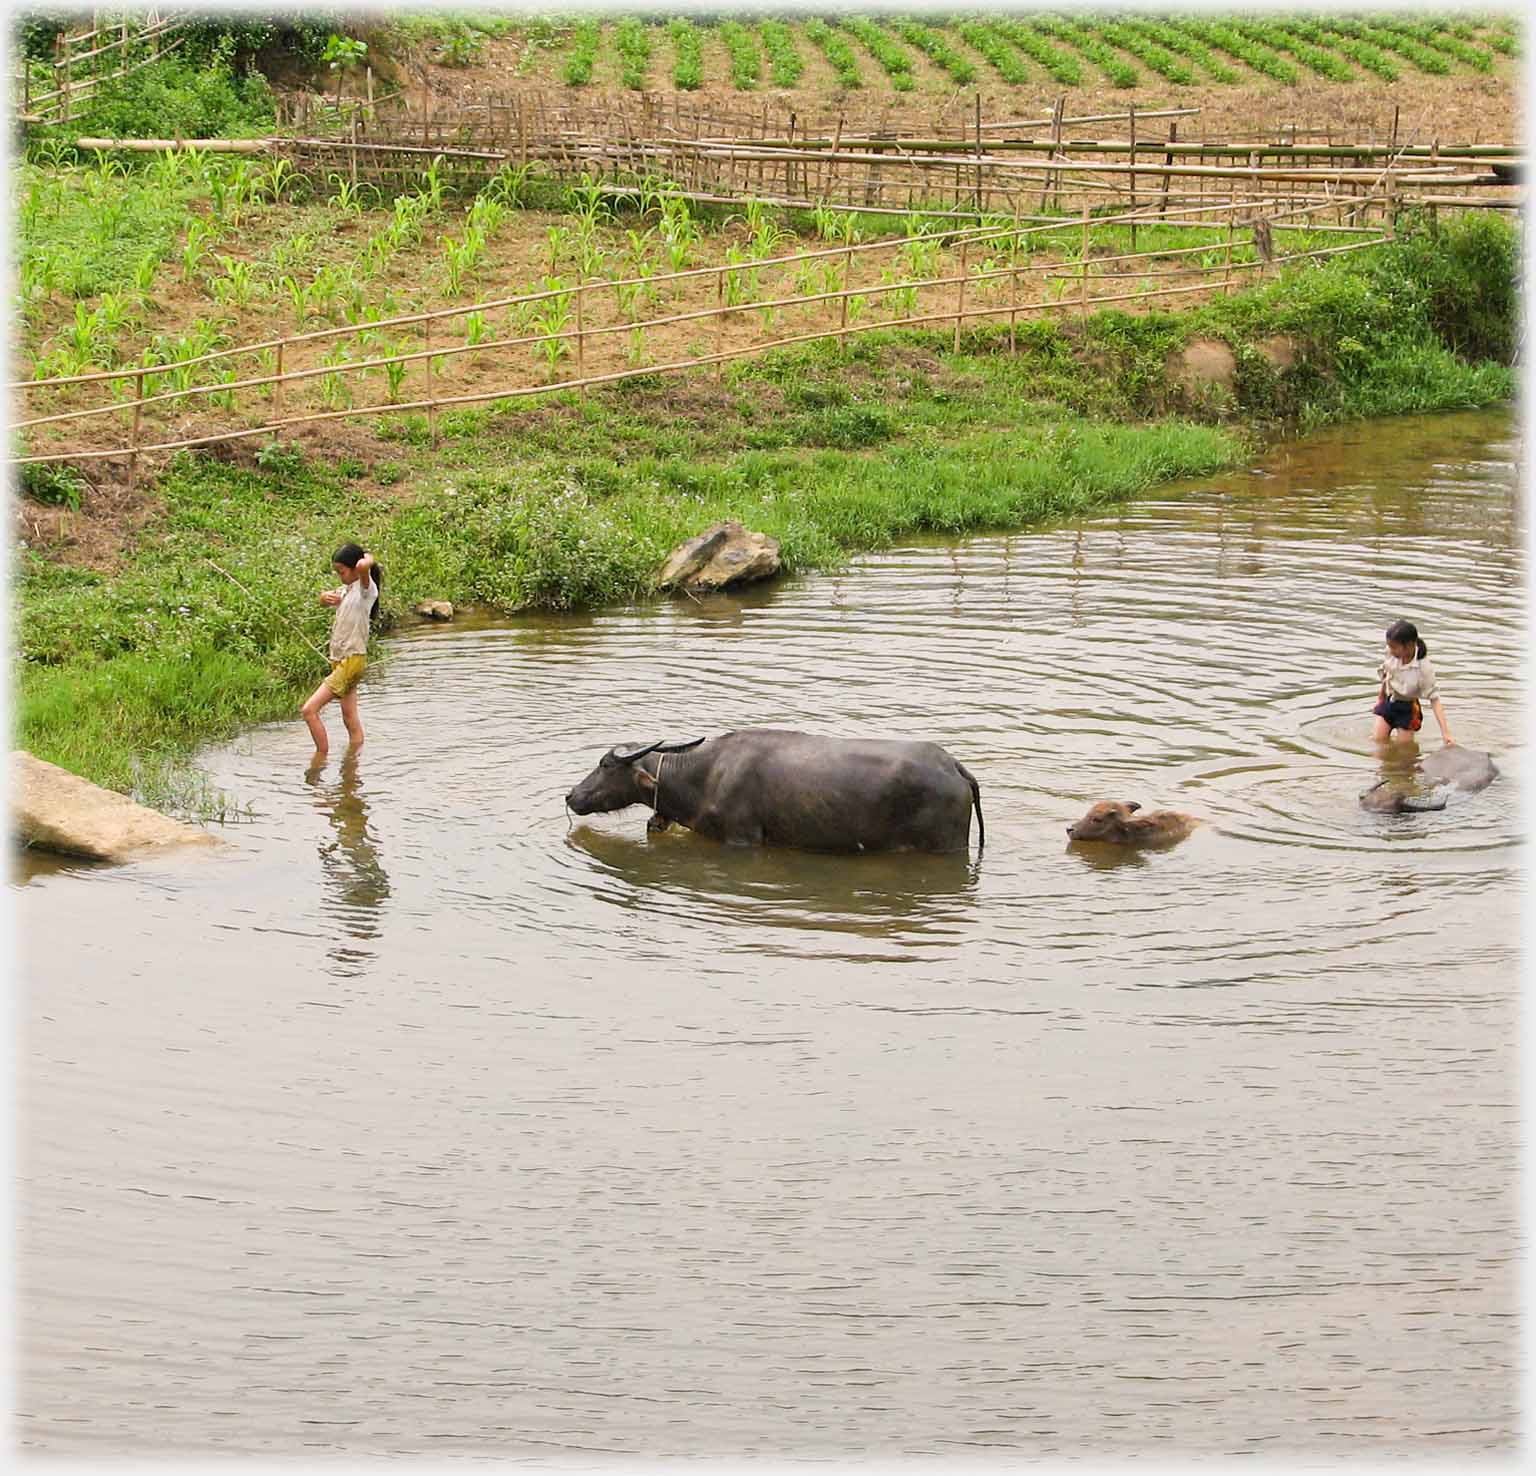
(661,763)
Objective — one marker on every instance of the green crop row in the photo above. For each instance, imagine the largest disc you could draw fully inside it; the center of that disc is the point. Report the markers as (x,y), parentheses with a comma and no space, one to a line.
(687,55)
(1175,38)
(1059,65)
(893,59)
(584,42)
(1081,39)
(984,38)
(837,51)
(785,63)
(933,45)
(632,40)
(1159,58)
(746,59)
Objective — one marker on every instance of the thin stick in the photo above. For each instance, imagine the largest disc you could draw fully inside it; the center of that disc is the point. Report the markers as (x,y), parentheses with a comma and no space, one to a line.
(286,621)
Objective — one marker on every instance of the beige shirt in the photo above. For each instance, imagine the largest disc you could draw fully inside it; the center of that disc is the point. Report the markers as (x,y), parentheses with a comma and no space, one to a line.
(1409,681)
(349,629)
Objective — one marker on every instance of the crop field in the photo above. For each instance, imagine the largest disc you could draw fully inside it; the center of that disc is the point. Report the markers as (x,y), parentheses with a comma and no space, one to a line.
(876,54)
(152,271)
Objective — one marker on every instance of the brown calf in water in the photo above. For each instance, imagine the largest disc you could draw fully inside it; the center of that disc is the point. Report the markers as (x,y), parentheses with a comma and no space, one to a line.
(1116,822)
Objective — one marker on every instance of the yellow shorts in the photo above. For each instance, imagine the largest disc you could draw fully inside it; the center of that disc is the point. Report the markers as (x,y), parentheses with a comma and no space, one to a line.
(344,674)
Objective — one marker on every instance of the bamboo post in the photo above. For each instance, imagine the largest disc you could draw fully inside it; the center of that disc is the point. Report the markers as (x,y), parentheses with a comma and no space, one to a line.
(354,145)
(581,340)
(1226,280)
(979,196)
(277,383)
(1173,137)
(138,415)
(964,277)
(431,387)
(1132,181)
(372,115)
(1082,306)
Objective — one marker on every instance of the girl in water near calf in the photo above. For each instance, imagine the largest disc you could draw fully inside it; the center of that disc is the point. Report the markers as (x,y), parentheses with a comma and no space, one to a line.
(357,604)
(1407,680)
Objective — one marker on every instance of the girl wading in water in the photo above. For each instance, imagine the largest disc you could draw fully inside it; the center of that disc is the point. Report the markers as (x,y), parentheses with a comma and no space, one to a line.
(357,603)
(1407,680)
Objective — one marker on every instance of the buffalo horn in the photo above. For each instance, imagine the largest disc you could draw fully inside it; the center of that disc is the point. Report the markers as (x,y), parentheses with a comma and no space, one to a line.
(638,753)
(678,747)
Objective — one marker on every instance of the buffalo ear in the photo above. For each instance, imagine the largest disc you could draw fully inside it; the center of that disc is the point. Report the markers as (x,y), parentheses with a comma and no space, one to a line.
(1133,805)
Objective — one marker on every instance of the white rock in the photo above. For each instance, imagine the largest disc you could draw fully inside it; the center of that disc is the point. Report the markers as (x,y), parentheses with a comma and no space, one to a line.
(55,810)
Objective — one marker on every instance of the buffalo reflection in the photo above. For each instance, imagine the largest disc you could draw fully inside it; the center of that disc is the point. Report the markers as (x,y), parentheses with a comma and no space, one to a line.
(785,887)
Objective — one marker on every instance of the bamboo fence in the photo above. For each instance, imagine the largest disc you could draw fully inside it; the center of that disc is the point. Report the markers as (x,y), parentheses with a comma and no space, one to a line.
(582,350)
(780,158)
(80,66)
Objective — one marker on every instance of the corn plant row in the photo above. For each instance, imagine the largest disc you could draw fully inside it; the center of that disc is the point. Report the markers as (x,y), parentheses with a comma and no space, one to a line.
(746,59)
(893,59)
(584,43)
(1234,43)
(983,38)
(1158,58)
(933,45)
(785,63)
(1059,65)
(834,46)
(632,40)
(687,55)
(1080,39)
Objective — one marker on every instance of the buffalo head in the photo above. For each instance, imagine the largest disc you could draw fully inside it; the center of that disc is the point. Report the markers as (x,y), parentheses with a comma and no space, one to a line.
(1104,821)
(615,783)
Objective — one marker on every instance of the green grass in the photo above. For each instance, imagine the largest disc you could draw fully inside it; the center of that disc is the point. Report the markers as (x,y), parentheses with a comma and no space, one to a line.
(829,449)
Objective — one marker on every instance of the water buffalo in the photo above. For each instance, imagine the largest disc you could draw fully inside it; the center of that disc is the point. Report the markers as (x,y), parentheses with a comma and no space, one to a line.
(1445,770)
(768,786)
(1116,821)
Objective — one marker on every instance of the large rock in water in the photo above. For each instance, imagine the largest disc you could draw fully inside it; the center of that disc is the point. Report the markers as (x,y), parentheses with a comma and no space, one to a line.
(722,555)
(59,811)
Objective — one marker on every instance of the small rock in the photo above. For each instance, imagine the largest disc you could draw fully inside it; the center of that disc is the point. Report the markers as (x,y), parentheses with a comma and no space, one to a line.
(723,555)
(1204,363)
(55,810)
(435,610)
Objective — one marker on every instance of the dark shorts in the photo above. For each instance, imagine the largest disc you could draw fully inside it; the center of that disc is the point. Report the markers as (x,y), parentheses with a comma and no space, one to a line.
(1400,714)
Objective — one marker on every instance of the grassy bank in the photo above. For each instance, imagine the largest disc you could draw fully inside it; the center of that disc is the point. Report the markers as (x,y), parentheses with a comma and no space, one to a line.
(576,502)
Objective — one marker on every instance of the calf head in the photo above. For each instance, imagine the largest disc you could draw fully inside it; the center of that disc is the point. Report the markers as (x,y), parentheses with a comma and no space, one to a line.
(618,781)
(1109,820)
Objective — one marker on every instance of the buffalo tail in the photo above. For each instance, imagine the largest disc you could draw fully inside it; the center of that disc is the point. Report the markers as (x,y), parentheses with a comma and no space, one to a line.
(981,825)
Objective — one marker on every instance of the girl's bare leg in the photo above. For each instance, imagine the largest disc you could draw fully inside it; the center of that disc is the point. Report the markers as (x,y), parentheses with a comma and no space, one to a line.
(349,716)
(1403,735)
(311,713)
(1381,732)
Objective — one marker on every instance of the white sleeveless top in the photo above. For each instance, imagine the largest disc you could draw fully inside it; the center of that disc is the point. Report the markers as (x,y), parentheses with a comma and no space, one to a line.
(349,630)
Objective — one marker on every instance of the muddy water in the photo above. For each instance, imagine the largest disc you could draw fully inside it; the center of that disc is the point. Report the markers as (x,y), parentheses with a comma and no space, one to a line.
(426,1122)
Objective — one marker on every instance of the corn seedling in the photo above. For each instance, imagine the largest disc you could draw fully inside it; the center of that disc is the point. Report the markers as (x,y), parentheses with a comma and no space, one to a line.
(334,390)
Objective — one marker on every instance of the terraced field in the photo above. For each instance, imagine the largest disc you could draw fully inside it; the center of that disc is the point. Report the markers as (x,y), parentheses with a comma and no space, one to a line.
(880,53)
(1455,76)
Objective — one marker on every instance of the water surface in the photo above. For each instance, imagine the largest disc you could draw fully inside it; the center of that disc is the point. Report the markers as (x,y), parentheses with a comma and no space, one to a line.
(425,1120)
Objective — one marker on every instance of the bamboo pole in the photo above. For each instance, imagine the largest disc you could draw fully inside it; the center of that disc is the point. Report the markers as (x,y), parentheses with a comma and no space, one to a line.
(138,417)
(277,384)
(431,388)
(1082,306)
(581,341)
(960,299)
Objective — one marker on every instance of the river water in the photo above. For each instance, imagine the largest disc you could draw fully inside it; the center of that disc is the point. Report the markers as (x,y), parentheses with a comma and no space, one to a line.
(425,1121)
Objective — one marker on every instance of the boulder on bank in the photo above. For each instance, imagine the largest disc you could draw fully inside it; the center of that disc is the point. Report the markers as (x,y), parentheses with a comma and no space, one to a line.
(723,555)
(435,610)
(1202,365)
(55,810)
